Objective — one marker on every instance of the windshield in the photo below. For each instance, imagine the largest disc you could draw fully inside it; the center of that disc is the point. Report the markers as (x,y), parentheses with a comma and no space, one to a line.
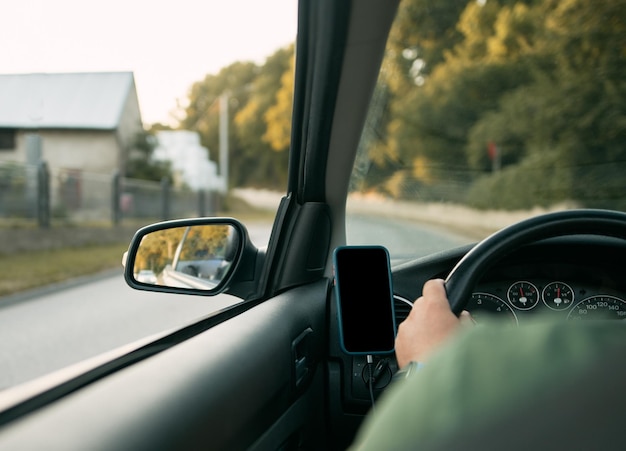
(487,112)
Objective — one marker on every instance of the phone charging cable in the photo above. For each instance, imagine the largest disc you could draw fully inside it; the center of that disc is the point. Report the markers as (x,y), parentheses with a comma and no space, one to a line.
(370,379)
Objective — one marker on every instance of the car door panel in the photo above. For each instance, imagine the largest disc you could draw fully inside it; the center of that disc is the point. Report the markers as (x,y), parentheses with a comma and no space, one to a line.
(221,389)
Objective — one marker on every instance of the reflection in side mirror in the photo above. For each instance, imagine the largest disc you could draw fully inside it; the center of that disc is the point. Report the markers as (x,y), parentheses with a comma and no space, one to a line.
(185,254)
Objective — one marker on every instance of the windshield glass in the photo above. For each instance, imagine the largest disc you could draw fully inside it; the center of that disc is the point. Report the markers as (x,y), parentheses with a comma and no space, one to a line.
(487,112)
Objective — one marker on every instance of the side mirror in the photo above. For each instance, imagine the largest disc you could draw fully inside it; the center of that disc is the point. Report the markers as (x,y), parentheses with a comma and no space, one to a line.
(194,256)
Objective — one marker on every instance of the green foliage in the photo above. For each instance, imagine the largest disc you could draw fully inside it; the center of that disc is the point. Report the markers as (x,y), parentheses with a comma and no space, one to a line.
(543,80)
(202,113)
(141,166)
(539,180)
(416,50)
(253,91)
(158,248)
(278,116)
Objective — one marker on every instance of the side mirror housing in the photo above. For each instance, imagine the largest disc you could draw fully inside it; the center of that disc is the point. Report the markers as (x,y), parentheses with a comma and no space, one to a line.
(200,256)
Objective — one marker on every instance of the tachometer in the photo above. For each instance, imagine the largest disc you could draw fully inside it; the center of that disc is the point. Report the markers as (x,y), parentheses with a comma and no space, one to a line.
(599,307)
(523,295)
(484,305)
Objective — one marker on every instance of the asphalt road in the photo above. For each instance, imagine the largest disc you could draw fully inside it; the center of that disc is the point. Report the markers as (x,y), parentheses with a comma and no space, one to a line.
(47,333)
(41,334)
(404,239)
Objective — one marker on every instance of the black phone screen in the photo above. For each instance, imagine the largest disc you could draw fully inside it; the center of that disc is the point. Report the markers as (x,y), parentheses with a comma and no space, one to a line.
(365,299)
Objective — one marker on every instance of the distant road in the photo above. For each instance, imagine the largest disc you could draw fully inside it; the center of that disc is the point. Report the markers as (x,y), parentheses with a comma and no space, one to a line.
(405,239)
(46,333)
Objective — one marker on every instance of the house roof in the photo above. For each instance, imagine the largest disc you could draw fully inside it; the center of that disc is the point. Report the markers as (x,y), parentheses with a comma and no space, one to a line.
(64,100)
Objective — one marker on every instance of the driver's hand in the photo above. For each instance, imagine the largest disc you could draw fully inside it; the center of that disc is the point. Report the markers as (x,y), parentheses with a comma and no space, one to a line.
(429,324)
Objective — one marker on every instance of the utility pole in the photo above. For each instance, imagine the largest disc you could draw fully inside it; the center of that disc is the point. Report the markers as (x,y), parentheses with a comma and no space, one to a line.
(223,138)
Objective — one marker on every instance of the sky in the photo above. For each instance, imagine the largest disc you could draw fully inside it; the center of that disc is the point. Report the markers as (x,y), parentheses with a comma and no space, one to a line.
(168,45)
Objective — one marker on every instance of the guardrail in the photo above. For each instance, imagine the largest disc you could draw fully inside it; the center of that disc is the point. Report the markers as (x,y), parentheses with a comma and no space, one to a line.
(41,194)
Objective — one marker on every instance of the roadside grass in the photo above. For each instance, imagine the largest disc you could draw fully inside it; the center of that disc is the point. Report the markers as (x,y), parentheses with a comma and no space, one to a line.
(28,270)
(31,269)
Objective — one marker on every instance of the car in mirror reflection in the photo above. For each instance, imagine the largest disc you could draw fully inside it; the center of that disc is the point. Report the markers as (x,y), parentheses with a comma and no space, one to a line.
(146,276)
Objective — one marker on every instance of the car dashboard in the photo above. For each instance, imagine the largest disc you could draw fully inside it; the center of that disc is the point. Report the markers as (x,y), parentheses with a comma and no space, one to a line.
(566,278)
(569,278)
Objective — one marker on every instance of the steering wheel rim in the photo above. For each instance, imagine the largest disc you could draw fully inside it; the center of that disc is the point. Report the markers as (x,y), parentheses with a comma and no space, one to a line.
(464,276)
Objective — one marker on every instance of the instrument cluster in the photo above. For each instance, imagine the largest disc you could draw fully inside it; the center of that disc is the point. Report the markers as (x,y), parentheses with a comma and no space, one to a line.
(572,300)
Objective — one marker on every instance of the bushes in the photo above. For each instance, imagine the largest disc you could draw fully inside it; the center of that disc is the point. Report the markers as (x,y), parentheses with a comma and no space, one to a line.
(542,181)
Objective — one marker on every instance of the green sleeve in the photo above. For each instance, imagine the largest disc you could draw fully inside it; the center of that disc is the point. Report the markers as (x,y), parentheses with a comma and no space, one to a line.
(480,375)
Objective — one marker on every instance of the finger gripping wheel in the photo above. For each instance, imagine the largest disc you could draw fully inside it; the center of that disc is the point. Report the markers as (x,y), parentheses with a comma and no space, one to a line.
(468,271)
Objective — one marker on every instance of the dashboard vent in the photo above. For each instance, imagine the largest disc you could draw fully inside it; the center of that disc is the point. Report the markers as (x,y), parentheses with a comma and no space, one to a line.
(402,307)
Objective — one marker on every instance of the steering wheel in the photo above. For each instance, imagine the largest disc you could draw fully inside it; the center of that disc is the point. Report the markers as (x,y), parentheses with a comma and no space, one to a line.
(467,272)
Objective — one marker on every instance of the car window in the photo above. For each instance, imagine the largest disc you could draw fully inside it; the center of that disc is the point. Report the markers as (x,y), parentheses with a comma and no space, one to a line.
(115,115)
(487,112)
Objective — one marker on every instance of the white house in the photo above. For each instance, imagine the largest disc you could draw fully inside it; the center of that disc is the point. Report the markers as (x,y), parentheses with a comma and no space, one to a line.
(73,121)
(190,161)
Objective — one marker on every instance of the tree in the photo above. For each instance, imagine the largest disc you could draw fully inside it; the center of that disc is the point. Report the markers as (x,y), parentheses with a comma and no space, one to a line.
(140,164)
(569,121)
(412,54)
(433,114)
(157,249)
(416,50)
(265,160)
(278,116)
(252,90)
(202,111)
(541,79)
(204,242)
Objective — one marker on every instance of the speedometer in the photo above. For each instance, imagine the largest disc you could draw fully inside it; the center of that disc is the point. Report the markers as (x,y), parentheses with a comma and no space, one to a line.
(599,307)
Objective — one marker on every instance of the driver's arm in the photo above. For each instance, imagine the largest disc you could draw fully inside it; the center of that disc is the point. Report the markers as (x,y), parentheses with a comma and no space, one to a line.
(429,324)
(481,385)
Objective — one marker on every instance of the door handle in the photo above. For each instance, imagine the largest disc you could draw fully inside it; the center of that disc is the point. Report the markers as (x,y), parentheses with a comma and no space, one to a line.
(302,360)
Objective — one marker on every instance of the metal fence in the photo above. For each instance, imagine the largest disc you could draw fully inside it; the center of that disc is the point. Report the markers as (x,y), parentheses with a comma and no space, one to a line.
(41,194)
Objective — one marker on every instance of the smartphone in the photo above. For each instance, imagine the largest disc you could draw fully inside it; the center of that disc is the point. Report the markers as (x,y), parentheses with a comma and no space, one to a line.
(364,299)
